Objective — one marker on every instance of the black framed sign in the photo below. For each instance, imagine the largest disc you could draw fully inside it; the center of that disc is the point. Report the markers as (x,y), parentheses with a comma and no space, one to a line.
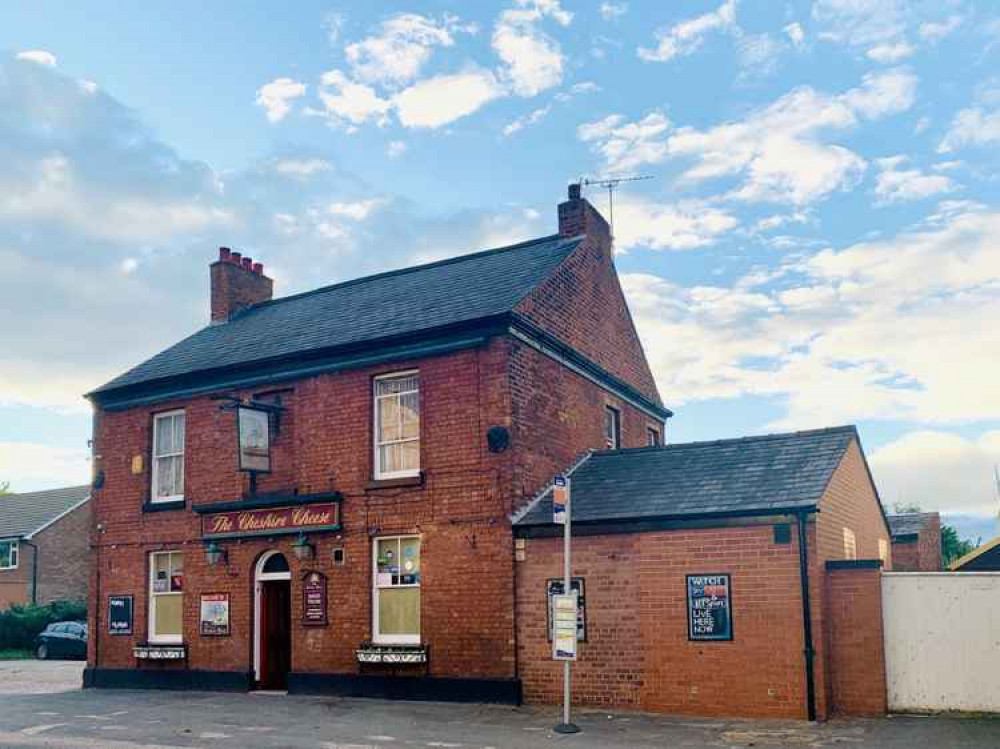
(554,587)
(710,615)
(120,615)
(254,428)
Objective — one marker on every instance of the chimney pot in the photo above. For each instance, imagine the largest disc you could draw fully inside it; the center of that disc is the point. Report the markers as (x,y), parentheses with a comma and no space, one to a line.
(258,268)
(224,254)
(574,191)
(236,283)
(235,257)
(247,263)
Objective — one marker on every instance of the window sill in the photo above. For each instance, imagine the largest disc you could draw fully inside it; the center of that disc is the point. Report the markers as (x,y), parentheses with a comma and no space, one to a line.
(395,654)
(174,504)
(401,482)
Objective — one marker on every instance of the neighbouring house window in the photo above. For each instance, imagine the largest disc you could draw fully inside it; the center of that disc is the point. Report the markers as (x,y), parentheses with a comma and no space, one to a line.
(397,590)
(653,437)
(612,428)
(883,550)
(166,597)
(8,555)
(168,456)
(850,545)
(397,425)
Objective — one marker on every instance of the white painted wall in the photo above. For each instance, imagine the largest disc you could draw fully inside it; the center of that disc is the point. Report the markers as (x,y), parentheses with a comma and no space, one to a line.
(942,640)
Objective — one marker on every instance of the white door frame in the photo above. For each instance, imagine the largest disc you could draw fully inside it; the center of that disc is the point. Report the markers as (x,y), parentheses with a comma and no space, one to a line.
(259,578)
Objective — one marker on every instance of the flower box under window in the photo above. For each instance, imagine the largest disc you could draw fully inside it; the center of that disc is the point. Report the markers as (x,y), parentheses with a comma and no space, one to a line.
(160,652)
(392,654)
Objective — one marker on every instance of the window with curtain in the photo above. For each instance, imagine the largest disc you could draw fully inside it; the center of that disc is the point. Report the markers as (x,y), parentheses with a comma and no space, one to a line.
(166,597)
(168,457)
(397,590)
(8,555)
(397,426)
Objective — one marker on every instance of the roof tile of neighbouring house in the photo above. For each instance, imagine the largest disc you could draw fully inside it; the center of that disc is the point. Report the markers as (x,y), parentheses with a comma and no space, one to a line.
(908,524)
(24,514)
(408,301)
(763,474)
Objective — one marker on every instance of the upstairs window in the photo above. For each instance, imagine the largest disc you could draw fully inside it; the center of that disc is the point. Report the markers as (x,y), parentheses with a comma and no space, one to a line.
(653,437)
(8,555)
(612,428)
(397,425)
(168,457)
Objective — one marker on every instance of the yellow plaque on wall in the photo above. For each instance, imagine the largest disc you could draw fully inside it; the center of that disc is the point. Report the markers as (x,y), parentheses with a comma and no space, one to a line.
(136,464)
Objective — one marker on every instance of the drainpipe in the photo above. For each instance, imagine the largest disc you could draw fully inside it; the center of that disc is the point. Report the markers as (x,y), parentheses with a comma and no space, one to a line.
(34,570)
(806,617)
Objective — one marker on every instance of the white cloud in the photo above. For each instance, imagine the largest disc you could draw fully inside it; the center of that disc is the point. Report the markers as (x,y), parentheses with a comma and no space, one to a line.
(934,31)
(301,168)
(686,225)
(796,34)
(896,185)
(405,42)
(861,23)
(975,126)
(276,97)
(531,118)
(88,87)
(357,210)
(758,54)
(890,52)
(537,115)
(533,60)
(611,11)
(437,101)
(687,36)
(39,56)
(395,149)
(939,470)
(779,152)
(347,102)
(30,466)
(890,329)
(625,145)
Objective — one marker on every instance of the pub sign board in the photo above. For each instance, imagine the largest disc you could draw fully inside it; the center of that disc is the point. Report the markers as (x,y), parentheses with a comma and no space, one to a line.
(271,522)
(710,615)
(554,588)
(314,599)
(254,427)
(120,609)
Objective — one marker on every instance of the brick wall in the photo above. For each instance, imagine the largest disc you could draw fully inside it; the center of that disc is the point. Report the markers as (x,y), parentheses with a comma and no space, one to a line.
(920,554)
(15,585)
(638,653)
(64,557)
(855,638)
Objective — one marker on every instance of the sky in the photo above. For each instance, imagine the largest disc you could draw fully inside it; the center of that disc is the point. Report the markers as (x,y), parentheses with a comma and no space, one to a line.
(818,244)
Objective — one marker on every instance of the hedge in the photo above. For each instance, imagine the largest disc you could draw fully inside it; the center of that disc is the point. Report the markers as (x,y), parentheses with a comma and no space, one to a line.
(21,624)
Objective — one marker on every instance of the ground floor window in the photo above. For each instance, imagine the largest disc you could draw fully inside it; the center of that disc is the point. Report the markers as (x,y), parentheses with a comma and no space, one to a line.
(8,555)
(396,606)
(166,597)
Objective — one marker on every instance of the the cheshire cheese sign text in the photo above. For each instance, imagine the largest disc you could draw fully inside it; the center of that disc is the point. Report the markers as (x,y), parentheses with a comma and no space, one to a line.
(271,522)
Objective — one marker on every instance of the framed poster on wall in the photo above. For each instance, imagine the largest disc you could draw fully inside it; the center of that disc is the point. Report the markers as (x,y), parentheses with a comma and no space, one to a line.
(214,614)
(120,615)
(710,615)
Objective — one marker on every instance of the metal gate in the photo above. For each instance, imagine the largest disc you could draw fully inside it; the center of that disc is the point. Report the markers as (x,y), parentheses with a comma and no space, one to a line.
(942,640)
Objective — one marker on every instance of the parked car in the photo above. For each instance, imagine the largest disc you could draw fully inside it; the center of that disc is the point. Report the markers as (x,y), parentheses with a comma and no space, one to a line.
(62,640)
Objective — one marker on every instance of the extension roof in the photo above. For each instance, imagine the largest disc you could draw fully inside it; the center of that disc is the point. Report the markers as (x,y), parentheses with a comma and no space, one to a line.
(23,515)
(764,475)
(908,524)
(407,302)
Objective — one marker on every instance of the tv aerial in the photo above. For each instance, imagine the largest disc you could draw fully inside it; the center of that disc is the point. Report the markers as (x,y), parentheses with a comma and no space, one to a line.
(611,184)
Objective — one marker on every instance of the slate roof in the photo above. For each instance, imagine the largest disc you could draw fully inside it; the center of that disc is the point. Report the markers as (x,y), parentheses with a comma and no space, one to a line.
(23,514)
(764,474)
(407,301)
(908,524)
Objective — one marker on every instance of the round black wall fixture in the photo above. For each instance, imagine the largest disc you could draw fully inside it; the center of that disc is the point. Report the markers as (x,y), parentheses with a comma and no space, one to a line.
(498,439)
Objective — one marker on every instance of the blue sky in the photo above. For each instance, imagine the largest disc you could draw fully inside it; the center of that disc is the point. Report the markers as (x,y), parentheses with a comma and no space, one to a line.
(818,244)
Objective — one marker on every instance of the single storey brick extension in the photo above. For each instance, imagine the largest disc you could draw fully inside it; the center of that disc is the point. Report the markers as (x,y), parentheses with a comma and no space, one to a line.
(916,541)
(44,546)
(344,491)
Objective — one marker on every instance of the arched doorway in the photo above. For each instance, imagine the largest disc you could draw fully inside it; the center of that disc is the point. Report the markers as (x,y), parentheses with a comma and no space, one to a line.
(272,621)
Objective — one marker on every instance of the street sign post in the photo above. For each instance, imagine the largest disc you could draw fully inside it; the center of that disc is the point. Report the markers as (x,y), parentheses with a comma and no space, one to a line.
(564,606)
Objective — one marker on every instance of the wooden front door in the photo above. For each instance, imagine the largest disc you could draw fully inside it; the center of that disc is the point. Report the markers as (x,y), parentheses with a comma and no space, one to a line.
(276,634)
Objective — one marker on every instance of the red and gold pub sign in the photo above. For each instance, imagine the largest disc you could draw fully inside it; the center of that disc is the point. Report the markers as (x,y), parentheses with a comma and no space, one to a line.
(324,516)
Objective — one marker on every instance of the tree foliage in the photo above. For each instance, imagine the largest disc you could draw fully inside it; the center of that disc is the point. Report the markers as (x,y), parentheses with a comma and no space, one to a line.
(953,547)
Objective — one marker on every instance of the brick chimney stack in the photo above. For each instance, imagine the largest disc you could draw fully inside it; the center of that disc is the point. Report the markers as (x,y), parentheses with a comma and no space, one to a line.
(577,216)
(237,283)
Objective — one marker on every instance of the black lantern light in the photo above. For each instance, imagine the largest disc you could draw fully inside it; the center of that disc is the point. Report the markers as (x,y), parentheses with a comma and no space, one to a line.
(302,548)
(214,554)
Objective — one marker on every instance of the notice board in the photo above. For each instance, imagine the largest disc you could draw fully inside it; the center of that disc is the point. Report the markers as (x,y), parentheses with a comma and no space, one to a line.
(710,615)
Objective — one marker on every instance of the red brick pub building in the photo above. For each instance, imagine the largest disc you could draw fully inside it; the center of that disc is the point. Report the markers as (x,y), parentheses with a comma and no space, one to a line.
(343,491)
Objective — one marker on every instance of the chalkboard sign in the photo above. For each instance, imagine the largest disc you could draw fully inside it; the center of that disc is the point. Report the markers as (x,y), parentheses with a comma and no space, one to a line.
(710,615)
(119,615)
(314,599)
(555,588)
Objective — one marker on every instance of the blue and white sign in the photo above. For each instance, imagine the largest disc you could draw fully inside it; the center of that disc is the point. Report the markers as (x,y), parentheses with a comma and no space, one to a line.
(560,499)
